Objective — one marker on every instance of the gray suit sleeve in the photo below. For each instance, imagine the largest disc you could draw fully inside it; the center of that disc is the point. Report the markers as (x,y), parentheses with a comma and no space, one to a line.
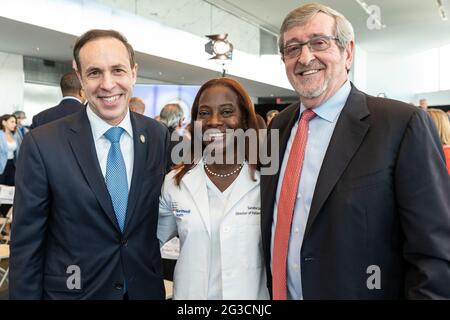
(422,186)
(29,227)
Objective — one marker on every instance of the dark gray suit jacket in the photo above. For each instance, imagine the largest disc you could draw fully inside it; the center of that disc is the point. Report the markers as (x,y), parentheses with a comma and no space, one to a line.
(63,216)
(64,108)
(382,198)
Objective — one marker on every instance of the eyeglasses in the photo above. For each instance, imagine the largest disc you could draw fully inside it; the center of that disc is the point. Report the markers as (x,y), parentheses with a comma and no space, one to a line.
(320,43)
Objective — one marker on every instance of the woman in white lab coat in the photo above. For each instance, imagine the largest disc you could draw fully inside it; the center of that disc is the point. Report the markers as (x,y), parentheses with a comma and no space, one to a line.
(215,208)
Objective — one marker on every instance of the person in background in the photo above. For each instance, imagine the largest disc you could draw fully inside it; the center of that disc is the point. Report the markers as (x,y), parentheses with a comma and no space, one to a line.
(423,104)
(270,115)
(187,132)
(9,150)
(215,208)
(73,101)
(137,105)
(172,116)
(442,123)
(21,128)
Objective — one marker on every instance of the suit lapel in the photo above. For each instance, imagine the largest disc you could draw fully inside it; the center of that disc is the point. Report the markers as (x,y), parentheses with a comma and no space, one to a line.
(82,144)
(140,157)
(345,141)
(195,182)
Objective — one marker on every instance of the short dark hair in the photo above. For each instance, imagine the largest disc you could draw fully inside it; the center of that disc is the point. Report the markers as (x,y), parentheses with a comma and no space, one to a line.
(95,34)
(70,84)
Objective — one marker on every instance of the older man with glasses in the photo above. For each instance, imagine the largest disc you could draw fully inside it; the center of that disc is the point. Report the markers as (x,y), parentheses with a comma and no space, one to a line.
(360,208)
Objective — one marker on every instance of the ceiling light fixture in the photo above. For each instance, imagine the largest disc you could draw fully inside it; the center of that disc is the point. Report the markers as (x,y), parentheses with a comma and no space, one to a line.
(220,48)
(441,9)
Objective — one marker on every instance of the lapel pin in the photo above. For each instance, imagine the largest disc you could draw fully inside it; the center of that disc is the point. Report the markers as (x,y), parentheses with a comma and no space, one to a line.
(142,137)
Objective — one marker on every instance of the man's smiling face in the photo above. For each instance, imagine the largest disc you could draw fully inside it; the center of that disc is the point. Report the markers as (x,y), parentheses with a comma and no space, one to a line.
(107,78)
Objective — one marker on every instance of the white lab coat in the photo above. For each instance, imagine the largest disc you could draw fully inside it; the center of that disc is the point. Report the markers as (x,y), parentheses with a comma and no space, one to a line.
(184,210)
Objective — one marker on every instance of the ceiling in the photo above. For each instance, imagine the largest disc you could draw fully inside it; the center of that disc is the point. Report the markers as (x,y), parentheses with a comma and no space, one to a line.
(412,25)
(30,40)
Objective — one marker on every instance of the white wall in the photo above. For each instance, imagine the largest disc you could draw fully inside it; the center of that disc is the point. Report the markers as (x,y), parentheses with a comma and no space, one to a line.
(359,69)
(390,74)
(38,97)
(11,82)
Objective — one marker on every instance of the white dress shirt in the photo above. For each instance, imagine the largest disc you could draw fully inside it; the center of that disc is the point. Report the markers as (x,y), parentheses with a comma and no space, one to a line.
(102,145)
(217,204)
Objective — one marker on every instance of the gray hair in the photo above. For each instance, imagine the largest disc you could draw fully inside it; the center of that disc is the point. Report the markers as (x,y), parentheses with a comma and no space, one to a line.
(171,115)
(19,114)
(302,15)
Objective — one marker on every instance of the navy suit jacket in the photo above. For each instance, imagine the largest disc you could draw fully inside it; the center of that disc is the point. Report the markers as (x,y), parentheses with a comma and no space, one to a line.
(382,199)
(63,216)
(64,108)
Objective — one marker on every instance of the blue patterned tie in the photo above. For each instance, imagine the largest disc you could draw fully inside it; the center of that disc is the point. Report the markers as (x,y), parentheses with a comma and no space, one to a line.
(116,175)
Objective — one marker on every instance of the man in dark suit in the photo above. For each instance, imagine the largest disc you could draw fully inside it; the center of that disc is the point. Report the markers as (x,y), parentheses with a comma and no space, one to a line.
(360,208)
(88,186)
(72,102)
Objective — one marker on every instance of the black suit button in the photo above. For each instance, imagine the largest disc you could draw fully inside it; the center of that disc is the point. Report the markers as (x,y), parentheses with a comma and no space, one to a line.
(124,242)
(118,286)
(308,259)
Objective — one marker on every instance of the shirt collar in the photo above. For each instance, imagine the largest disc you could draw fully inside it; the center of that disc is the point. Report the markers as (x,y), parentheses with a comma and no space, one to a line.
(72,98)
(330,109)
(100,126)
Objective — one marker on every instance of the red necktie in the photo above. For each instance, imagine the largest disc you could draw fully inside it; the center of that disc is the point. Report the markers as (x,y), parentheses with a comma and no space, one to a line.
(286,204)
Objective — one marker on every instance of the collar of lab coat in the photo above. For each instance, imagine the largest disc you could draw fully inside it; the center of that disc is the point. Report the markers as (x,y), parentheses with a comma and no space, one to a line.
(195,182)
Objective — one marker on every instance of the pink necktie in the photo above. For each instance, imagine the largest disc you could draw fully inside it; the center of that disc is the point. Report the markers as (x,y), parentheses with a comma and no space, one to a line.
(286,206)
